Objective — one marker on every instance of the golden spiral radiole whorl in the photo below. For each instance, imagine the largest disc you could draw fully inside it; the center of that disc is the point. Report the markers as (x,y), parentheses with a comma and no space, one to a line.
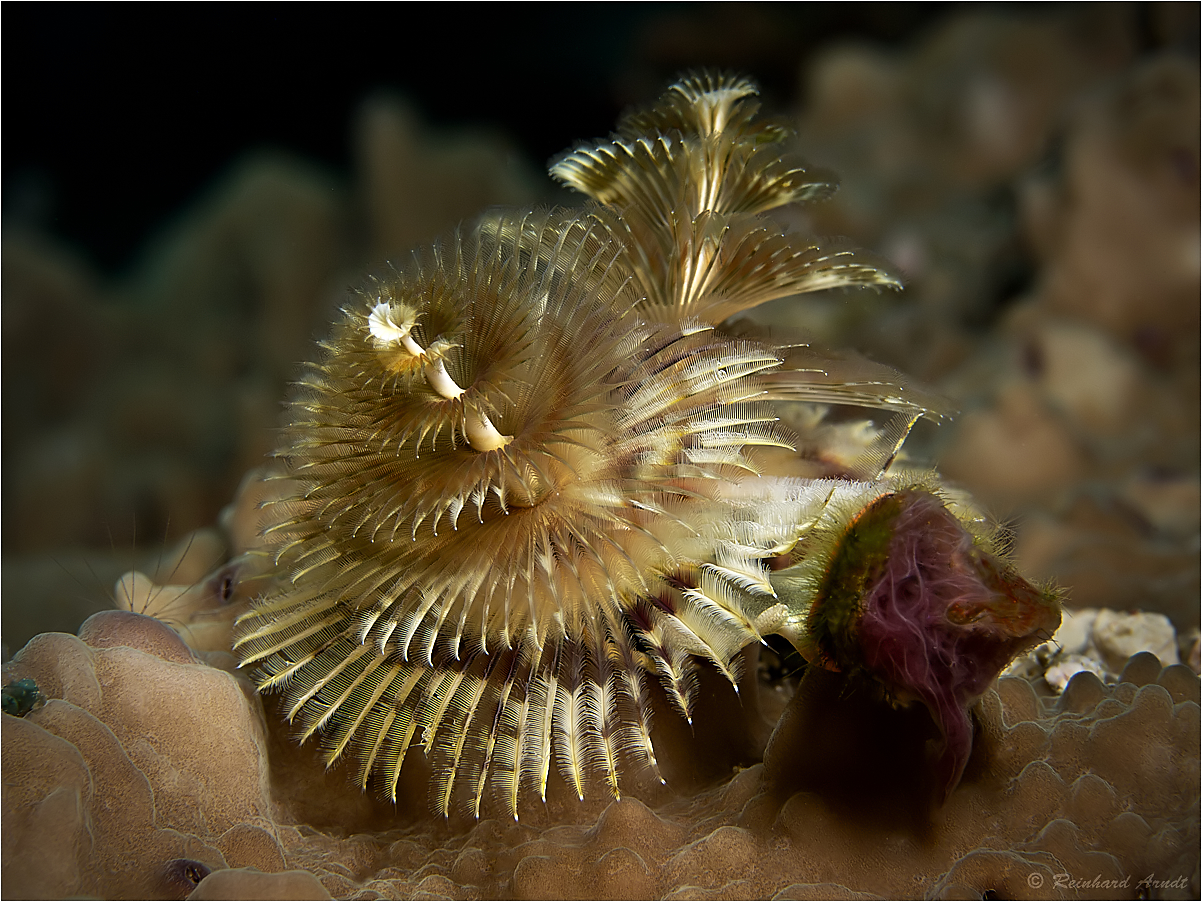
(522,478)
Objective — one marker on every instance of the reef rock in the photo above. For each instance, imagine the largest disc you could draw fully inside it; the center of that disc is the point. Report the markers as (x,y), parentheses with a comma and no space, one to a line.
(149,774)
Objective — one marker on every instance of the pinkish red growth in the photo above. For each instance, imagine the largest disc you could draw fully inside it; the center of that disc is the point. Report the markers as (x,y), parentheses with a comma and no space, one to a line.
(944,618)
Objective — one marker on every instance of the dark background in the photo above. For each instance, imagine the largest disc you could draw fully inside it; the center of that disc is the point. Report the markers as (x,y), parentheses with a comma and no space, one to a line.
(118,115)
(133,420)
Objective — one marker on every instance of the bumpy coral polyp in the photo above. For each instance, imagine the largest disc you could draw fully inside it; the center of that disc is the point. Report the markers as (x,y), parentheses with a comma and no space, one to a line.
(914,601)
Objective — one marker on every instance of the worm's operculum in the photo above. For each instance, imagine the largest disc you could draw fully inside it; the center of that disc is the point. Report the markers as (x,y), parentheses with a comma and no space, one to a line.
(905,595)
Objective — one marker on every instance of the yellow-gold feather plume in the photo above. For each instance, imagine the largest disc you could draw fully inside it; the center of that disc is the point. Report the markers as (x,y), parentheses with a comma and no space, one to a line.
(523,473)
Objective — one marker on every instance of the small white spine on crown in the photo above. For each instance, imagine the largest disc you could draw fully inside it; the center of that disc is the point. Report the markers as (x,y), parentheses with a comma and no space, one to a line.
(393,326)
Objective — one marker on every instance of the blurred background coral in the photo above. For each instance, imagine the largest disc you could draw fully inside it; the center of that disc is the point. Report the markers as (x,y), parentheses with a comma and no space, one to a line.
(189,192)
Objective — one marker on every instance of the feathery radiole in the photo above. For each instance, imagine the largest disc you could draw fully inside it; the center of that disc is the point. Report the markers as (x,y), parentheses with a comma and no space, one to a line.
(522,477)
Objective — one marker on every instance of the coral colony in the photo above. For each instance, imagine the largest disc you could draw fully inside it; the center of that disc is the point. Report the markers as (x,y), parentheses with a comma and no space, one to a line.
(535,473)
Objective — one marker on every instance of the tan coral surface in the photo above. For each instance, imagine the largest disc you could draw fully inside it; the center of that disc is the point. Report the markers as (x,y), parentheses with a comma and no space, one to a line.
(148,769)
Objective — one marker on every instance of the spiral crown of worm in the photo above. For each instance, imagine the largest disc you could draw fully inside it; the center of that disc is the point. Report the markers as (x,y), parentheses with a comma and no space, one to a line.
(522,477)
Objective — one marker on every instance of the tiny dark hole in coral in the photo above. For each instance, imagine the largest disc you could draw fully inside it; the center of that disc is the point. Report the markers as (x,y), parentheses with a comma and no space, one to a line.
(990,894)
(184,874)
(223,584)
